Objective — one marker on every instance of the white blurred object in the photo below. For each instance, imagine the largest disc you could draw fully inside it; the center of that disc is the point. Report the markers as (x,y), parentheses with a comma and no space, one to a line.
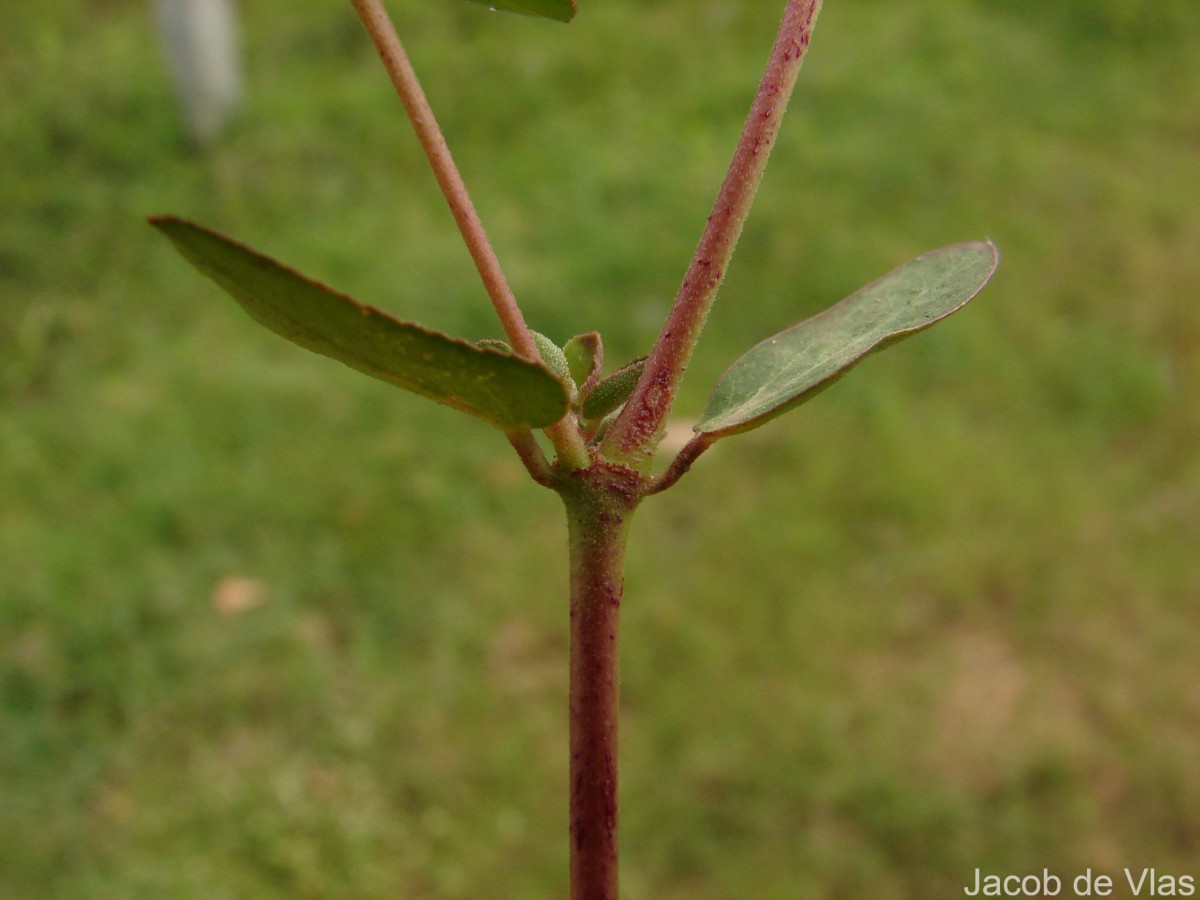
(201,41)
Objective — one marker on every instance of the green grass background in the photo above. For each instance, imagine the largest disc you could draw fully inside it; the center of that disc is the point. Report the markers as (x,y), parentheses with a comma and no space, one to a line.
(945,616)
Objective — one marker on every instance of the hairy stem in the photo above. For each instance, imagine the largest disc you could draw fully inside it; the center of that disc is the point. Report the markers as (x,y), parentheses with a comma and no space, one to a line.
(599,503)
(565,435)
(404,78)
(632,438)
(532,457)
(681,464)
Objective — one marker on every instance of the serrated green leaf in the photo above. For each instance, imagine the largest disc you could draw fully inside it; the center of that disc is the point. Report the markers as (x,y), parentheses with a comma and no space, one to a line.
(789,368)
(508,391)
(613,389)
(562,10)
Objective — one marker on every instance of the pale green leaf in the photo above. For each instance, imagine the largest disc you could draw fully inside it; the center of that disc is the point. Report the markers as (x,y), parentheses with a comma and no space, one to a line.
(613,389)
(508,391)
(789,368)
(585,356)
(553,358)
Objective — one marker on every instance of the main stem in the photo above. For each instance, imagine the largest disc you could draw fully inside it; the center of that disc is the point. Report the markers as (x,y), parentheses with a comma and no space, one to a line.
(633,437)
(599,503)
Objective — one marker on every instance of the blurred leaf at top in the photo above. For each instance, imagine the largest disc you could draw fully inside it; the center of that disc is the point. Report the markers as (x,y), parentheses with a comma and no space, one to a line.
(562,10)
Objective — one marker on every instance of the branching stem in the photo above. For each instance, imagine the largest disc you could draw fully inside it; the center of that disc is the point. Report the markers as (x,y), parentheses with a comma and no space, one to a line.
(632,438)
(532,457)
(433,142)
(601,493)
(565,435)
(681,464)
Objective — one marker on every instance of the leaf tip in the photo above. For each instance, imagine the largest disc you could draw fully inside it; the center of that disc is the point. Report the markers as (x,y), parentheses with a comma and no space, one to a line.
(171,227)
(557,10)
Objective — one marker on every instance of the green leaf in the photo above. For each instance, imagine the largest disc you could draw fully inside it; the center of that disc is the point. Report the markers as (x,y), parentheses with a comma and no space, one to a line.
(562,10)
(585,356)
(613,389)
(552,357)
(508,391)
(791,367)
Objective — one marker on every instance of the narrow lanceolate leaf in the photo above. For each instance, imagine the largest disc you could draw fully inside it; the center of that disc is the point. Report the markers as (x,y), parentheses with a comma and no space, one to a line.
(795,364)
(508,391)
(613,389)
(562,10)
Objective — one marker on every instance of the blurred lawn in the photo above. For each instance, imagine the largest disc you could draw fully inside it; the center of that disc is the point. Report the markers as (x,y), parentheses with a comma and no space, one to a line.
(943,617)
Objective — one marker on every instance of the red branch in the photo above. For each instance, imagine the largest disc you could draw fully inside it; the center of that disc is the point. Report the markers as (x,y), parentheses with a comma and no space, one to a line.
(633,437)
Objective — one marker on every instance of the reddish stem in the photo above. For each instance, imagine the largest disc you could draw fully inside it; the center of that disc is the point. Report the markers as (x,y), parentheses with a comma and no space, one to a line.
(599,502)
(532,457)
(408,87)
(564,434)
(681,464)
(633,437)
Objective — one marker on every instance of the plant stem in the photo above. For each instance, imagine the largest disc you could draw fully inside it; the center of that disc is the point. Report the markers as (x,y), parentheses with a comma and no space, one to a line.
(532,458)
(680,464)
(383,34)
(633,437)
(599,502)
(565,435)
